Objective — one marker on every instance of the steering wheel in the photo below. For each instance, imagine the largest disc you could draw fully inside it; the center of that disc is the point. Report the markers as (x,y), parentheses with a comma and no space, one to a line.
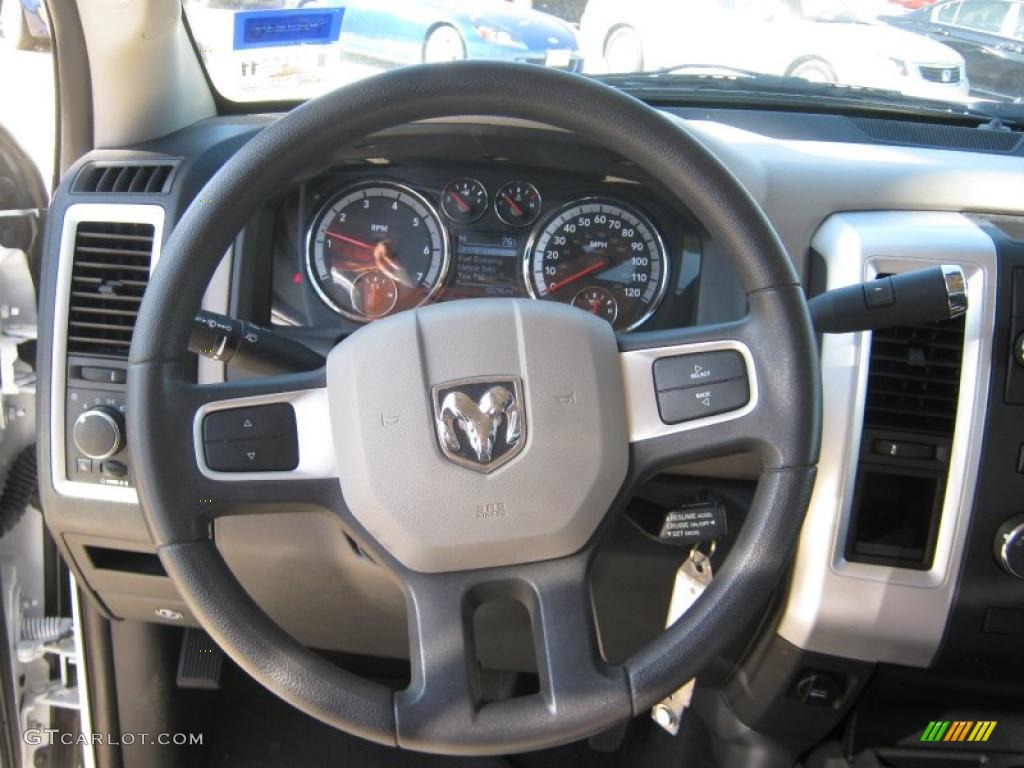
(586,406)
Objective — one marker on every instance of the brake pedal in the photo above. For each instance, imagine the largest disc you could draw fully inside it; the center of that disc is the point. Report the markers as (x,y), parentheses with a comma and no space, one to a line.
(200,661)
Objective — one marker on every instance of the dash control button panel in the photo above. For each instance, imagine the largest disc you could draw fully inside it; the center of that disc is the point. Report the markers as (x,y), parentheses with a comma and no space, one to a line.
(695,386)
(260,438)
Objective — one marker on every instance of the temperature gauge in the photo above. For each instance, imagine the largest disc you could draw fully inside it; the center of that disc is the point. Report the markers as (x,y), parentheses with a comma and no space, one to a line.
(518,204)
(464,200)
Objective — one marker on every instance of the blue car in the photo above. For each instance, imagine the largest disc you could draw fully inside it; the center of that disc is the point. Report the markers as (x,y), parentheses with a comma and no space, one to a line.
(415,31)
(23,24)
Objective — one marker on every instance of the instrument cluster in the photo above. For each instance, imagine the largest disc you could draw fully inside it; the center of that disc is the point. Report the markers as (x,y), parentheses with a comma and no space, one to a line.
(380,244)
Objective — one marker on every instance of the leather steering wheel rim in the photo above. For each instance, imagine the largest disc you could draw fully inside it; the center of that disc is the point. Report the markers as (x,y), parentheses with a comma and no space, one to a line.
(785,437)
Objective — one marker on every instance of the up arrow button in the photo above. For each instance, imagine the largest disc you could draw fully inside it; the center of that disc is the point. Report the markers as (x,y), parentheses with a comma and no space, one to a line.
(249,423)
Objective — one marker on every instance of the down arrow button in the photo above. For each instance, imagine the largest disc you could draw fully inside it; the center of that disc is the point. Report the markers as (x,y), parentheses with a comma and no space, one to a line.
(268,454)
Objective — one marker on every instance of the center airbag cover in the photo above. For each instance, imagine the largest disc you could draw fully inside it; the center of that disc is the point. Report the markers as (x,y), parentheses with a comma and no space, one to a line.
(553,367)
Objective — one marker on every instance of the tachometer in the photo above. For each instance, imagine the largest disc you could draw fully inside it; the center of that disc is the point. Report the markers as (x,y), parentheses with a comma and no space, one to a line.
(375,249)
(602,257)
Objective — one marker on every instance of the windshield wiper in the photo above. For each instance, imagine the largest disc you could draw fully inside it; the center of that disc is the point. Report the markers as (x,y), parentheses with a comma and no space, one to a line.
(672,84)
(722,69)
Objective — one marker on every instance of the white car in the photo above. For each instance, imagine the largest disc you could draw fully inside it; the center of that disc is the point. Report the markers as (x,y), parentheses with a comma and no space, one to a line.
(820,40)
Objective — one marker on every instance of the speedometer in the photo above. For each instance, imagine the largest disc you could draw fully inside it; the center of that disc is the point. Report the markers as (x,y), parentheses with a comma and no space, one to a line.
(603,257)
(375,249)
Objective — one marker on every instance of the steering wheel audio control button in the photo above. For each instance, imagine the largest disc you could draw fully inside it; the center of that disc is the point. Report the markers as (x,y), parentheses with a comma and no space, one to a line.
(261,438)
(678,405)
(697,370)
(268,454)
(249,423)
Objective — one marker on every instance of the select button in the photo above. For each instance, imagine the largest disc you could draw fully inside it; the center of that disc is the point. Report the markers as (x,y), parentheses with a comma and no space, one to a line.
(698,370)
(678,405)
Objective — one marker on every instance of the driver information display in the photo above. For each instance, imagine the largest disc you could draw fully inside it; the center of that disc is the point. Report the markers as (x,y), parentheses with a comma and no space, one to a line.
(487,263)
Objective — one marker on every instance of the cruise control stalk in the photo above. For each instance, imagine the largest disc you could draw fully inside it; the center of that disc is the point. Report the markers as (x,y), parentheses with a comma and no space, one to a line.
(921,296)
(249,346)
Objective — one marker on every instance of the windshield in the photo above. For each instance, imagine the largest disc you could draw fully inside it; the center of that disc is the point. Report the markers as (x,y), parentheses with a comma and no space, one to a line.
(952,51)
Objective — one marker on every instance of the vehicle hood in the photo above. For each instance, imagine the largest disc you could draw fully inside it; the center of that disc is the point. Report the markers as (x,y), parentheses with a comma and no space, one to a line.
(537,30)
(885,42)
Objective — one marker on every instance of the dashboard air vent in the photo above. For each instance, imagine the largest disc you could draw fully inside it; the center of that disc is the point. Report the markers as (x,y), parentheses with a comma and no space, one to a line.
(124,178)
(109,275)
(914,378)
(938,136)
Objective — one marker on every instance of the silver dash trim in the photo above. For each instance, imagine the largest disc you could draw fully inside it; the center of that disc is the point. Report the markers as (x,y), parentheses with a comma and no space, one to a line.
(312,423)
(870,612)
(73,216)
(644,418)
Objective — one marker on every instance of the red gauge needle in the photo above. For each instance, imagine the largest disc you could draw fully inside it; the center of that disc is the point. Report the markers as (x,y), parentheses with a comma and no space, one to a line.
(516,208)
(574,277)
(351,240)
(463,205)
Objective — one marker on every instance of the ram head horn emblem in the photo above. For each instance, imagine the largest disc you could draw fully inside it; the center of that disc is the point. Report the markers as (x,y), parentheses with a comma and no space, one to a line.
(480,422)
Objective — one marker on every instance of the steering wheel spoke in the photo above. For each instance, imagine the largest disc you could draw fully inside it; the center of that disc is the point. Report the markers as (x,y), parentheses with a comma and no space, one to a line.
(241,447)
(716,390)
(446,703)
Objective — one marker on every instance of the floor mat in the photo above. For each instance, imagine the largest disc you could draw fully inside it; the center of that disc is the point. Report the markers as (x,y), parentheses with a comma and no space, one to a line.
(256,729)
(644,746)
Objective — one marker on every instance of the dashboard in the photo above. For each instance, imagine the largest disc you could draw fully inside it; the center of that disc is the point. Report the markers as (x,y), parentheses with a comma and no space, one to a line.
(359,243)
(475,209)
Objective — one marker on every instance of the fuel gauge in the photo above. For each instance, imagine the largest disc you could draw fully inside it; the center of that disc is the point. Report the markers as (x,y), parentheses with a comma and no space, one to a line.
(598,301)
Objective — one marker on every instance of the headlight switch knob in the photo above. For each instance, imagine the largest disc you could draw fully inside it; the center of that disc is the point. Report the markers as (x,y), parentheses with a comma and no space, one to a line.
(1009,546)
(99,432)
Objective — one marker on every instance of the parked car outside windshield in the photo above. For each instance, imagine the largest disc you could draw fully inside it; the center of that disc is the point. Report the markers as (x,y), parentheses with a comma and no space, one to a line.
(821,40)
(290,50)
(989,34)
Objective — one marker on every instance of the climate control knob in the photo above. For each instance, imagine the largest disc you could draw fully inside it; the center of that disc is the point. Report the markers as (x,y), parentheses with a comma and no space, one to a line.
(99,432)
(1010,546)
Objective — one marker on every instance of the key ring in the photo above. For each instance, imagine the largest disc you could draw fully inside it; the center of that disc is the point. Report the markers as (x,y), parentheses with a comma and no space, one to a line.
(695,550)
